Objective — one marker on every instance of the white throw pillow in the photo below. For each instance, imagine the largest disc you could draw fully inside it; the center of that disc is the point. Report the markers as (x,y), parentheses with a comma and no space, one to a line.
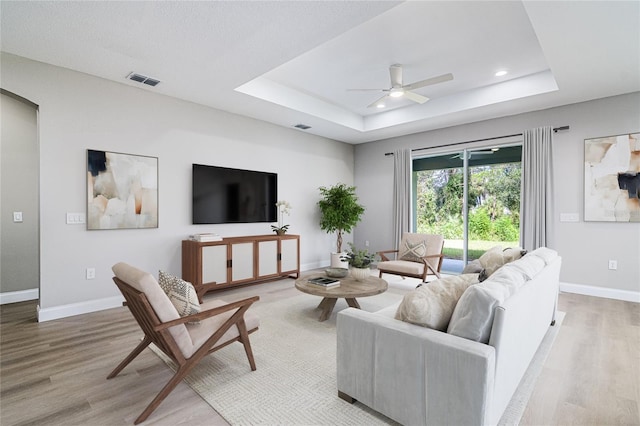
(181,293)
(431,305)
(530,265)
(545,254)
(473,316)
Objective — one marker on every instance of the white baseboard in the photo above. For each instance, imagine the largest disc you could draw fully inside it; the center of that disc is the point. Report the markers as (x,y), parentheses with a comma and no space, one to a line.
(57,312)
(19,296)
(314,265)
(609,293)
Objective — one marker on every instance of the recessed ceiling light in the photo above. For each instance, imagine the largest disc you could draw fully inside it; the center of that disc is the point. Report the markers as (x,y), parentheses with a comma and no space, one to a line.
(380,105)
(501,73)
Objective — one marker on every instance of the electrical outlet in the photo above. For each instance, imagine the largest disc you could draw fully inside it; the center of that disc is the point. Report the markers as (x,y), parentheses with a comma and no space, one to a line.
(17,216)
(91,273)
(613,264)
(366,243)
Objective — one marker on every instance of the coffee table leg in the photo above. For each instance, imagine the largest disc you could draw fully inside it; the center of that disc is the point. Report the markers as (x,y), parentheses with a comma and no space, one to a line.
(327,305)
(353,303)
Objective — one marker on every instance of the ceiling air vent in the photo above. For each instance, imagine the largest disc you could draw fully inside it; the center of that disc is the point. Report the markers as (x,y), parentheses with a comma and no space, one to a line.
(143,79)
(302,126)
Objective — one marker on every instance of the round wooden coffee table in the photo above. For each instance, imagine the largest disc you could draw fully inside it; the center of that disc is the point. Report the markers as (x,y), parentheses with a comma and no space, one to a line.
(348,289)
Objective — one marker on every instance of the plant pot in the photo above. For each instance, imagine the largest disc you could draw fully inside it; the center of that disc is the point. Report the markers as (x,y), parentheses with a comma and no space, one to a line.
(360,274)
(280,231)
(336,262)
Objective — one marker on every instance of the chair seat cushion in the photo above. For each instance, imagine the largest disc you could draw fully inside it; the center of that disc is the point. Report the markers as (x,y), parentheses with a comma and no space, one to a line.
(201,332)
(402,267)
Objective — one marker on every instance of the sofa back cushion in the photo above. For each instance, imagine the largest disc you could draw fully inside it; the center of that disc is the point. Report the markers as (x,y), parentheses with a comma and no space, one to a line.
(473,316)
(431,304)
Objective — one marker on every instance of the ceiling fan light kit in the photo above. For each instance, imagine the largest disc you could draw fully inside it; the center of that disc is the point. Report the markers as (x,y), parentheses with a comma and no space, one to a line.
(399,90)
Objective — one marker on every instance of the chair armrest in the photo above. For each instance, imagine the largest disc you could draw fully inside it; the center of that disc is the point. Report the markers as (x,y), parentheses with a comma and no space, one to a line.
(413,374)
(382,254)
(428,264)
(208,313)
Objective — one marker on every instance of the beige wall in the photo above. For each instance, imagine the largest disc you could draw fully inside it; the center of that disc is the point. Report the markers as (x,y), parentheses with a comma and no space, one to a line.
(79,112)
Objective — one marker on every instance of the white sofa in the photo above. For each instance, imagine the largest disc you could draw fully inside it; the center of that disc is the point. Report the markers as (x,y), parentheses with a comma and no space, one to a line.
(420,376)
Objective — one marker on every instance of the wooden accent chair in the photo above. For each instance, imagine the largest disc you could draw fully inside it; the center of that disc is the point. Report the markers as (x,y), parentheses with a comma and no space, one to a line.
(419,255)
(220,324)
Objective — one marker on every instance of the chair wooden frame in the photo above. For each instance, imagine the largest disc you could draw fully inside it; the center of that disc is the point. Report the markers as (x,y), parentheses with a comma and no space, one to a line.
(158,333)
(427,270)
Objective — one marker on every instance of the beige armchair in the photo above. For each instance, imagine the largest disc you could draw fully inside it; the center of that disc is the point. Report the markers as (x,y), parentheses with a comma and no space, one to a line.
(419,255)
(186,340)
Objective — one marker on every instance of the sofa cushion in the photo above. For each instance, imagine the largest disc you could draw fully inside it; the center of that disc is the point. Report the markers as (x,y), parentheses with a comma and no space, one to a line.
(473,315)
(431,305)
(545,254)
(180,292)
(530,265)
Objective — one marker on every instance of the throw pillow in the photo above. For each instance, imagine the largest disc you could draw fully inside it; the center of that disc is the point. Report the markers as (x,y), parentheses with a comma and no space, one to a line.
(181,293)
(431,305)
(473,267)
(490,261)
(473,315)
(494,258)
(412,248)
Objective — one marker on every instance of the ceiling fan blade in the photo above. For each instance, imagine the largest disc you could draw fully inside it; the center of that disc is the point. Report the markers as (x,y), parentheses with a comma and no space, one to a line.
(395,72)
(434,80)
(377,101)
(367,90)
(415,97)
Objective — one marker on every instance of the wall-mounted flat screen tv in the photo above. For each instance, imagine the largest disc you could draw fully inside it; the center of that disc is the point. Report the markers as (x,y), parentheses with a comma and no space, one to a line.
(224,195)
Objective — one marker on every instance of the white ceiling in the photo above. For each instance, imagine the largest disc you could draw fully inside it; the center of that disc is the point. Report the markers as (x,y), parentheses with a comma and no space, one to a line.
(290,62)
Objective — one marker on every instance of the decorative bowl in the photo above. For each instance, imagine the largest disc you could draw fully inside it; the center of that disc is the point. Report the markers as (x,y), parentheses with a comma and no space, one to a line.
(336,272)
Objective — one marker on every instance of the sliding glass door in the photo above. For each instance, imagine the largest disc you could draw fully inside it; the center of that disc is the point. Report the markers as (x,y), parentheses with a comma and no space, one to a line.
(472,197)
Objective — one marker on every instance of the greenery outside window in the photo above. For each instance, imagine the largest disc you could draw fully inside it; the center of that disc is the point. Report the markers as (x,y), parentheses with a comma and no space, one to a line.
(491,215)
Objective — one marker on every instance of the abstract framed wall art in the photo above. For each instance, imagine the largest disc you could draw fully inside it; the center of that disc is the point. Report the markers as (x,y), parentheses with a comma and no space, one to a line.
(612,178)
(122,191)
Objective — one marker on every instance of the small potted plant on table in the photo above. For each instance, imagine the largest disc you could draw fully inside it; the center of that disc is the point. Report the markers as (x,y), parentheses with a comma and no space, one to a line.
(360,262)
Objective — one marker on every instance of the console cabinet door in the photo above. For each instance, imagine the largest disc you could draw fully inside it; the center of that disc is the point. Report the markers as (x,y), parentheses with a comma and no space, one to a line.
(267,258)
(242,261)
(214,264)
(289,255)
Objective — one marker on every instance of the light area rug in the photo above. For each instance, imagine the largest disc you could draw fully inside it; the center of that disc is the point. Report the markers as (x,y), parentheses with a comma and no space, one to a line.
(295,380)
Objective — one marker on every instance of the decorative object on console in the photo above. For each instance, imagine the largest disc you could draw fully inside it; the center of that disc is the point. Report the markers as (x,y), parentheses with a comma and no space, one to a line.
(339,212)
(360,262)
(283,209)
(122,190)
(612,179)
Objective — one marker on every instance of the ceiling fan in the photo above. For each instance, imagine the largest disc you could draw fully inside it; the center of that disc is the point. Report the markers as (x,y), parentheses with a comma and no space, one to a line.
(399,90)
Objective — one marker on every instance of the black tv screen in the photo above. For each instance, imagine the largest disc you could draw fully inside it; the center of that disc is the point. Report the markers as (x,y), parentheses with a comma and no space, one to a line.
(224,195)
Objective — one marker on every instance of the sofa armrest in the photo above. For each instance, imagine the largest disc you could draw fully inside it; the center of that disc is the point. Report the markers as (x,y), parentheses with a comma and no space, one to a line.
(413,374)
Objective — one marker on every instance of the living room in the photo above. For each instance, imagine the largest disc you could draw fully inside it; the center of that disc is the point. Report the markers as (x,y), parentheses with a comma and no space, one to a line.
(77,111)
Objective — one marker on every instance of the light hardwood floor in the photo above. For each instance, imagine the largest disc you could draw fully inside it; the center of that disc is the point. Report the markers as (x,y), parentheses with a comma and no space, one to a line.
(54,373)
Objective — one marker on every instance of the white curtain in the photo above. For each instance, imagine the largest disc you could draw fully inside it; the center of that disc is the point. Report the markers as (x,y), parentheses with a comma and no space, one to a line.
(401,193)
(536,215)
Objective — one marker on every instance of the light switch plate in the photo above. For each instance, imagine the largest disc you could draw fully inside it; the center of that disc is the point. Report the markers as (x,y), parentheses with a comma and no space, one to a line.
(569,217)
(75,218)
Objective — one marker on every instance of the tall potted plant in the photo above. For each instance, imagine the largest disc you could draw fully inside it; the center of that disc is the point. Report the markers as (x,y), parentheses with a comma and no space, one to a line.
(339,213)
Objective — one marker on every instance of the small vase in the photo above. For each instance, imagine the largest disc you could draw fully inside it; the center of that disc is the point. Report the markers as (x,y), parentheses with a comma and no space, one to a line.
(360,274)
(280,231)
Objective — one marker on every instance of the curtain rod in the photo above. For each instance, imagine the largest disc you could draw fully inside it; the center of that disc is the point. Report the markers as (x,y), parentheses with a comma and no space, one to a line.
(555,130)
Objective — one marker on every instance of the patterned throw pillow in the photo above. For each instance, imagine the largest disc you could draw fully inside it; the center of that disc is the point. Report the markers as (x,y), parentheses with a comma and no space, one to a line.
(494,258)
(412,249)
(180,292)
